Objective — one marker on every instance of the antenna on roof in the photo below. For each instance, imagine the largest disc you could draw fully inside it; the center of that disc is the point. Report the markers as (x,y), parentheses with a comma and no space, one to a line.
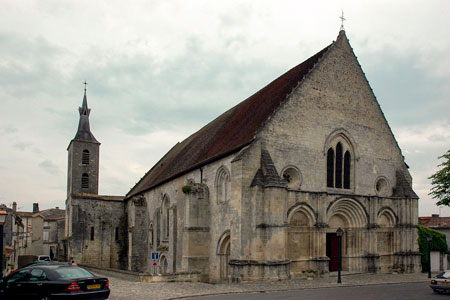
(342,20)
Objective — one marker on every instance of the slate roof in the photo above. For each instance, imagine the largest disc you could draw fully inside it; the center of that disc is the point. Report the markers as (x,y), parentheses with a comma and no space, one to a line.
(84,131)
(228,133)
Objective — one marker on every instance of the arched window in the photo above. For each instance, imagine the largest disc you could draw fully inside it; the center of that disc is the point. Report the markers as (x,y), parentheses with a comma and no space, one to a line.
(85,157)
(339,162)
(165,217)
(347,164)
(330,167)
(85,181)
(338,176)
(222,185)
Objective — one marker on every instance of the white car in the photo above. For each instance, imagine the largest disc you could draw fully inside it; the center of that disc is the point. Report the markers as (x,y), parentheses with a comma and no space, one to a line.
(441,283)
(43,258)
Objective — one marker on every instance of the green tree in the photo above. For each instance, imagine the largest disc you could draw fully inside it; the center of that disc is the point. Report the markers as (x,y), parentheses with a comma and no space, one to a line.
(441,182)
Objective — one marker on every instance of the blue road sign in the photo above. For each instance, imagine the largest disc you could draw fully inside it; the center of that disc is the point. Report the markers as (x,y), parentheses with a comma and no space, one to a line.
(155,255)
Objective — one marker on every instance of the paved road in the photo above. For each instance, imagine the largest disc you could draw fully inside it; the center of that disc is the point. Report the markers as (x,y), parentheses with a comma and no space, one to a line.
(361,286)
(401,291)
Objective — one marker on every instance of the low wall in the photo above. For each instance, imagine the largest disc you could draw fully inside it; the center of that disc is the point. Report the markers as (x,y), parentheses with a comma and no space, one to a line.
(146,277)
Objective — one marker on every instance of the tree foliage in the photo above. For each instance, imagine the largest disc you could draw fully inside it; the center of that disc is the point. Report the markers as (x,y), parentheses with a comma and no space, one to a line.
(438,243)
(441,182)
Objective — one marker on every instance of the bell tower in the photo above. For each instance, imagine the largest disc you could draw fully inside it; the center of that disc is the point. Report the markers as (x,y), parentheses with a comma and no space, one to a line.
(84,154)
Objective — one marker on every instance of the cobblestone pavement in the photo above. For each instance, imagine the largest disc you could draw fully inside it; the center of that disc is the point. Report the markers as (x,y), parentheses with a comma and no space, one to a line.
(127,289)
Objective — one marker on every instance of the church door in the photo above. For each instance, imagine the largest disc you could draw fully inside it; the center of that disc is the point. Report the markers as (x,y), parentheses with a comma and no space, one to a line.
(333,251)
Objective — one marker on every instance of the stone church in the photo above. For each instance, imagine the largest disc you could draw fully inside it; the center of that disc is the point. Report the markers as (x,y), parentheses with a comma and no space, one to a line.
(259,192)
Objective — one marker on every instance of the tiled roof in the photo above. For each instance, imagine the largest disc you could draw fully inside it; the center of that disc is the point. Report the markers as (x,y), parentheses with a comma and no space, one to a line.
(435,222)
(228,133)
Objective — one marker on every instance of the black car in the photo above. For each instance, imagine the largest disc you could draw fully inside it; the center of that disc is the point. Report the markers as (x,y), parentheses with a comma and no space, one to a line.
(50,281)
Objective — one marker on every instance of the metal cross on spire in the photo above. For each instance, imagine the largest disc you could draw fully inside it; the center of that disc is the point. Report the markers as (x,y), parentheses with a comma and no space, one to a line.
(342,20)
(85,86)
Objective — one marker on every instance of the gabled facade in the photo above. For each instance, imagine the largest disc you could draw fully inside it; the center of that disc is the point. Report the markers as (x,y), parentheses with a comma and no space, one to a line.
(259,192)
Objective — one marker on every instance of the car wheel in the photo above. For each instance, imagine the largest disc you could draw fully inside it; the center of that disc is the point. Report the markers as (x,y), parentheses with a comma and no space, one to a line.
(436,291)
(45,298)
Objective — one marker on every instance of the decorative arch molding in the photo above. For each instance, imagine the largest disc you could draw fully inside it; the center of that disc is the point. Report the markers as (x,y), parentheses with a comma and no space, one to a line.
(346,136)
(220,243)
(351,210)
(222,184)
(389,213)
(306,209)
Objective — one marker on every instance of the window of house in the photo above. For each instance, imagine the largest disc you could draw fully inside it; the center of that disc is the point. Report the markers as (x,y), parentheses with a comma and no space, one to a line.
(339,164)
(117,234)
(45,236)
(85,157)
(85,181)
(92,233)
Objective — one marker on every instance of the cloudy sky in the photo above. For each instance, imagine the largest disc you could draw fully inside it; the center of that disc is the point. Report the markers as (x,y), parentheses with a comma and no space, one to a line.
(160,70)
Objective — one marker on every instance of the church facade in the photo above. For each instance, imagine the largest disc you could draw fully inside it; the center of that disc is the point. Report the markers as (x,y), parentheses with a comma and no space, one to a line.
(260,192)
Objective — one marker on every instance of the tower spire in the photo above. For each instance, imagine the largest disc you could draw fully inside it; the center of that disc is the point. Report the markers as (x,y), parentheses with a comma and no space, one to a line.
(84,132)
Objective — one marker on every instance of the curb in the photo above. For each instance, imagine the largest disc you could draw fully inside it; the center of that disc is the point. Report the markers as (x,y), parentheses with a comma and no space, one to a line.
(332,285)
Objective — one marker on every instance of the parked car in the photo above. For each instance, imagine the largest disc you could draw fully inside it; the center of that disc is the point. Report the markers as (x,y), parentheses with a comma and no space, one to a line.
(53,281)
(441,283)
(44,258)
(40,262)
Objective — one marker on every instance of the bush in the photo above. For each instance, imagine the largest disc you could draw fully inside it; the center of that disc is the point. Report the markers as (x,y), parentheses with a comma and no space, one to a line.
(438,243)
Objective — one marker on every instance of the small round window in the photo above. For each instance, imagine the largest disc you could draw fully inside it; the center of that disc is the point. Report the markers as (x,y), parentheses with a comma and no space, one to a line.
(292,177)
(382,186)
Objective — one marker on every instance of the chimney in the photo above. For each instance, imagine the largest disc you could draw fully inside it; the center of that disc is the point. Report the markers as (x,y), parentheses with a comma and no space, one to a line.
(14,206)
(35,207)
(57,207)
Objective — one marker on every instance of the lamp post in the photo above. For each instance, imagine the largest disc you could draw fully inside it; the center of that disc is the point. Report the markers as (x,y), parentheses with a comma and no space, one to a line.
(429,239)
(3,215)
(339,233)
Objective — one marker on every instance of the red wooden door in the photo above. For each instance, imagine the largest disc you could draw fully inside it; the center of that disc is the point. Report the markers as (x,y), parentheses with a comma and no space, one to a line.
(333,251)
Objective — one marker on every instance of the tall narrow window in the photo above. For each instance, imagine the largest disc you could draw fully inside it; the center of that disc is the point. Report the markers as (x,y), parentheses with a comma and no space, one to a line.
(85,157)
(347,170)
(330,168)
(339,162)
(85,181)
(116,234)
(222,185)
(338,176)
(92,233)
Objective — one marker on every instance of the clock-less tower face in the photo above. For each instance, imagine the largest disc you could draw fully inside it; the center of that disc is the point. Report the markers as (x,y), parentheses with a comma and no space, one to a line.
(84,154)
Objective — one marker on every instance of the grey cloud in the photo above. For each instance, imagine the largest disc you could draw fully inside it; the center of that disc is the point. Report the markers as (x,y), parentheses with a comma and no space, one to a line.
(8,130)
(193,88)
(22,146)
(408,95)
(50,167)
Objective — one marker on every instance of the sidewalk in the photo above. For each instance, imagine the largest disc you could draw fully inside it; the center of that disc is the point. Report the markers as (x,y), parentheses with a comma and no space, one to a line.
(125,289)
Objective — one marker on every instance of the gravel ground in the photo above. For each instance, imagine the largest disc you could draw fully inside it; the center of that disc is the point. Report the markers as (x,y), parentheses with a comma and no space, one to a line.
(128,289)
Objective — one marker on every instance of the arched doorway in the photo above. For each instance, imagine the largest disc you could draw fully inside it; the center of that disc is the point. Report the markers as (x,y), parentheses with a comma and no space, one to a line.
(351,216)
(224,256)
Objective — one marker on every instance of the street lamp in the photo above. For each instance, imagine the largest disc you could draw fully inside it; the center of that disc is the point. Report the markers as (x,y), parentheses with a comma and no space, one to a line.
(429,239)
(3,215)
(339,233)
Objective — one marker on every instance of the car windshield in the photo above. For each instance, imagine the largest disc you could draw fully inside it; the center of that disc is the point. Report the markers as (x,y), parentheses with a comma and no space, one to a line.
(73,272)
(445,275)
